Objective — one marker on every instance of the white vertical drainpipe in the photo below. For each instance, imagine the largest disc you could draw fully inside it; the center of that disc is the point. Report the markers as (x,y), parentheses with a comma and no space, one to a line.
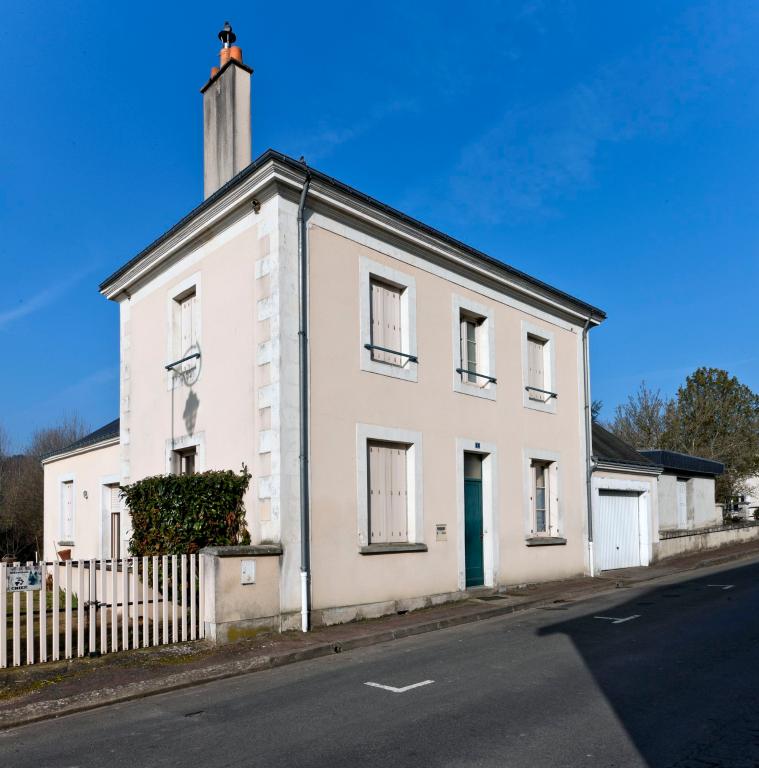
(305,544)
(588,442)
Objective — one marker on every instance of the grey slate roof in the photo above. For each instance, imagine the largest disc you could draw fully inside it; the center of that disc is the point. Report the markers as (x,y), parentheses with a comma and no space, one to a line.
(272,154)
(684,462)
(608,448)
(108,432)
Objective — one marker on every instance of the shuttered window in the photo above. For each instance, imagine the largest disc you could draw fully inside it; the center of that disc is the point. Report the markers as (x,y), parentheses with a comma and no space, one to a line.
(184,461)
(388,493)
(536,366)
(469,350)
(185,327)
(67,510)
(115,521)
(386,322)
(187,307)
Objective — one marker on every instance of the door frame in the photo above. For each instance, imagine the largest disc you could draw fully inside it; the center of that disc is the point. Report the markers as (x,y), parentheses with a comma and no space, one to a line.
(644,507)
(489,454)
(105,504)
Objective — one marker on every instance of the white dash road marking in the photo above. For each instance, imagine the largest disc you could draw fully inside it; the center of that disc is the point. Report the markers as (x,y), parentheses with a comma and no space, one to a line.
(393,689)
(721,586)
(615,620)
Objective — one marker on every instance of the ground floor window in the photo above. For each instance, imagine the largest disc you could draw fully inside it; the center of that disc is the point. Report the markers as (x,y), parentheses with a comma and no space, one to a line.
(184,461)
(388,492)
(543,498)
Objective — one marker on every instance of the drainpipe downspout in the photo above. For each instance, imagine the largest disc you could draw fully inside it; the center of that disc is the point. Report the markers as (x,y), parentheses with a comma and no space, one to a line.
(305,504)
(589,467)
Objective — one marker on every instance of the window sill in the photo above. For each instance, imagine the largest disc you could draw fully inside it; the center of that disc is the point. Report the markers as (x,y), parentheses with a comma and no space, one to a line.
(387,549)
(66,543)
(545,541)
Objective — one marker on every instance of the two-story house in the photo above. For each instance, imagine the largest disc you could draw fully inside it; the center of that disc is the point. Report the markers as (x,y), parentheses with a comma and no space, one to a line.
(414,412)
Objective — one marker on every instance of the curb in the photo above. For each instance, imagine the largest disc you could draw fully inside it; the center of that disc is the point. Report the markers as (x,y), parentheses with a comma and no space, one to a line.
(258,664)
(261,663)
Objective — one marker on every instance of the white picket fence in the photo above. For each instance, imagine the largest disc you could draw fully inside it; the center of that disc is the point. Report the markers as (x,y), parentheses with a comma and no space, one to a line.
(119,606)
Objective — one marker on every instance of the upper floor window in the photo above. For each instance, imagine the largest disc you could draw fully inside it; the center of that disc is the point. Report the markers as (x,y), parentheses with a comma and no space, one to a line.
(184,330)
(474,348)
(185,326)
(469,355)
(387,301)
(538,368)
(387,339)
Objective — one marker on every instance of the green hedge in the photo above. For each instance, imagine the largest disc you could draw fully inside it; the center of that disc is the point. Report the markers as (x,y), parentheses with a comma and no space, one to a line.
(181,514)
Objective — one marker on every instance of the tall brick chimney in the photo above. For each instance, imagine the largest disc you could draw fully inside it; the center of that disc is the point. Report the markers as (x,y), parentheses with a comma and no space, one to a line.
(226,116)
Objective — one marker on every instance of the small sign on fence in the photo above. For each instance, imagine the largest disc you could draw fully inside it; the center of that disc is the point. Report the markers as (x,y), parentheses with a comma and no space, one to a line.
(24,578)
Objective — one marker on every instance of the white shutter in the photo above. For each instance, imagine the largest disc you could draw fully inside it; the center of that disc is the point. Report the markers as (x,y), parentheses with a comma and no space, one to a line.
(535,365)
(398,514)
(378,321)
(67,512)
(115,498)
(377,493)
(186,313)
(388,494)
(386,322)
(393,323)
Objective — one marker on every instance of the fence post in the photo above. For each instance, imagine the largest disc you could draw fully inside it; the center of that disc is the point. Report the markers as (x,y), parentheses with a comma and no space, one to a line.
(165,597)
(43,614)
(136,602)
(155,600)
(114,606)
(183,594)
(193,633)
(68,618)
(29,623)
(174,590)
(145,605)
(125,603)
(16,627)
(4,614)
(93,607)
(104,606)
(80,610)
(56,612)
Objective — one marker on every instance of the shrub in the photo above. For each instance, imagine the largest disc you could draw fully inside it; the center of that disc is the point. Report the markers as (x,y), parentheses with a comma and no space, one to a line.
(181,514)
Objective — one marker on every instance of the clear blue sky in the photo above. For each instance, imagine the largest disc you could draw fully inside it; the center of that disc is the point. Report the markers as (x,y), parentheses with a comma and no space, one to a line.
(610,149)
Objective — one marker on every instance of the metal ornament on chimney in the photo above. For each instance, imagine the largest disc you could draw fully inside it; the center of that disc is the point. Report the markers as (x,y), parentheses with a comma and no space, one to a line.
(227,36)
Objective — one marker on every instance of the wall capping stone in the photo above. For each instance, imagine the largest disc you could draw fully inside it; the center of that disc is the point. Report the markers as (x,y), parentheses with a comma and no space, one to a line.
(241,550)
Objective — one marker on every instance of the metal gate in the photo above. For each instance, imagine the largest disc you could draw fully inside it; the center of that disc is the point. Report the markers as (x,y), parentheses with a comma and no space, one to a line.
(616,530)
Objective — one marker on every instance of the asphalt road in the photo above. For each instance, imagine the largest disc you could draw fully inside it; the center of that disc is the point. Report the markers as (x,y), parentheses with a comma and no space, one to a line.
(675,684)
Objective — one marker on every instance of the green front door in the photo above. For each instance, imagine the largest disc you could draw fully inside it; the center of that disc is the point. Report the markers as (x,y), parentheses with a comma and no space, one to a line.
(475,572)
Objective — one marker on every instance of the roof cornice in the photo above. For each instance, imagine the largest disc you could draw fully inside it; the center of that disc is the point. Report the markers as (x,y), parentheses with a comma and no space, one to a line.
(619,466)
(273,167)
(84,449)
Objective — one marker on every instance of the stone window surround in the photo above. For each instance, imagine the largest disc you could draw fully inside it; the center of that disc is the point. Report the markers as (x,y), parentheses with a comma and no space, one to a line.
(367,270)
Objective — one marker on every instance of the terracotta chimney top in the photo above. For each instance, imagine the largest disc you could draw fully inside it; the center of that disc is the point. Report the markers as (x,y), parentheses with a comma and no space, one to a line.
(228,49)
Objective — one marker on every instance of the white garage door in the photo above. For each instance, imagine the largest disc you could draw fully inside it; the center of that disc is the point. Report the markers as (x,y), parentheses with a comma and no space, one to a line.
(616,530)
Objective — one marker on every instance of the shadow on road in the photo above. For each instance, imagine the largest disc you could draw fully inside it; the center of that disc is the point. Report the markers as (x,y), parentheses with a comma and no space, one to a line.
(682,677)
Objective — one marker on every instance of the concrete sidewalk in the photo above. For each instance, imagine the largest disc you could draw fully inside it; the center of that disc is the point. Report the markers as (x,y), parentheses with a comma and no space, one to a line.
(38,692)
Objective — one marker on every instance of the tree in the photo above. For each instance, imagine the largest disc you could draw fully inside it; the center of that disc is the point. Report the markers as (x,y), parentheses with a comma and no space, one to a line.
(642,420)
(22,487)
(51,439)
(595,409)
(717,417)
